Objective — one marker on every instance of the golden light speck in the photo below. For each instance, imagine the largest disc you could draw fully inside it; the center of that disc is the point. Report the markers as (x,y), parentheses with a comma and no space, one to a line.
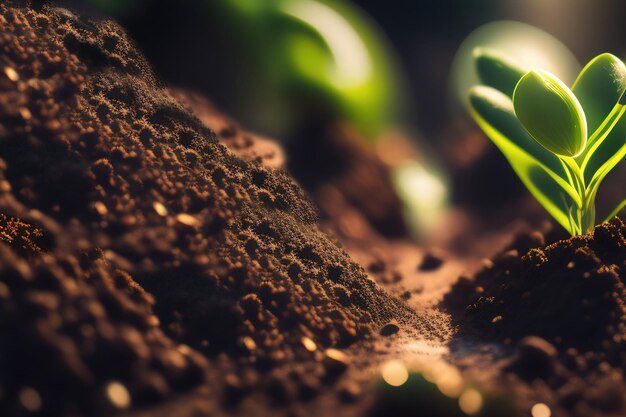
(160,209)
(496,319)
(337,355)
(153,321)
(183,349)
(471,401)
(100,208)
(30,399)
(249,342)
(11,74)
(540,410)
(176,359)
(118,395)
(308,344)
(450,383)
(187,219)
(394,373)
(25,113)
(433,371)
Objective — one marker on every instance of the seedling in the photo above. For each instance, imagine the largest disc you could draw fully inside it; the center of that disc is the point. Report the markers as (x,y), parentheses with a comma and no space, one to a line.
(561,142)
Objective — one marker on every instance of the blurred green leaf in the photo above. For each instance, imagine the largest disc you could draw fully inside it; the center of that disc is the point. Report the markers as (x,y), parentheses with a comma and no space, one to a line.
(551,113)
(316,59)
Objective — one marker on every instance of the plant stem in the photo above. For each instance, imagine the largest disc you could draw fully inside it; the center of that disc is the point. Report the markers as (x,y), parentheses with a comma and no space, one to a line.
(583,216)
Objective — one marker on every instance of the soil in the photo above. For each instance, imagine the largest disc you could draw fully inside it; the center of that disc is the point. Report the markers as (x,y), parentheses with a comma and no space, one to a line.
(164,256)
(561,309)
(334,162)
(157,259)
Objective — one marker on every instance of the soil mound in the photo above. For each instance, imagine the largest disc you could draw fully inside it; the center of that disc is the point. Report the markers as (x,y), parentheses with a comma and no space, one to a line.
(570,293)
(155,237)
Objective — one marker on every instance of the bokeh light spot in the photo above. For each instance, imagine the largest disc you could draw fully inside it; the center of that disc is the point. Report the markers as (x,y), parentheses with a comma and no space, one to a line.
(540,410)
(395,373)
(471,401)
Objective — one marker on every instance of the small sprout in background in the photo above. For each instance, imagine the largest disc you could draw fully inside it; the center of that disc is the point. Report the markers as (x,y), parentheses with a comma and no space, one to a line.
(561,142)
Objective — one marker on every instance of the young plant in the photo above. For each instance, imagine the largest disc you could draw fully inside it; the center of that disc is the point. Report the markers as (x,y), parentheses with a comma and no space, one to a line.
(561,142)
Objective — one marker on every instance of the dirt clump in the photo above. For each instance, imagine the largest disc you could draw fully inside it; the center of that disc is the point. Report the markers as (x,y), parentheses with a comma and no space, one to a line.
(560,312)
(570,292)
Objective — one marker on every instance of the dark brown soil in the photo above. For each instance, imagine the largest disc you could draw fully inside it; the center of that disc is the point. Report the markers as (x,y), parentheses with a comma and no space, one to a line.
(570,292)
(336,163)
(562,309)
(163,254)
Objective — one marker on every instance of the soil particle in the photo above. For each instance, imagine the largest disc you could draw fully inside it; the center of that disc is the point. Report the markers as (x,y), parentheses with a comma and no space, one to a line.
(389,329)
(430,262)
(535,358)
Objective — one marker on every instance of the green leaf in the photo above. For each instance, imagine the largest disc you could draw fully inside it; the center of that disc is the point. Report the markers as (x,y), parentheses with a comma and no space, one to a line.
(599,86)
(616,211)
(612,155)
(607,141)
(497,70)
(541,171)
(551,113)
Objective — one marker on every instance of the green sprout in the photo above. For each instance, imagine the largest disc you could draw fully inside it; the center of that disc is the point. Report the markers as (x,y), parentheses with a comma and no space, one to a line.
(561,142)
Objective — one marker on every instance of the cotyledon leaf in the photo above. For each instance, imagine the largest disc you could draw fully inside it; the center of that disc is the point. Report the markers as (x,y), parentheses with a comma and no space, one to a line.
(551,113)
(599,87)
(497,70)
(540,171)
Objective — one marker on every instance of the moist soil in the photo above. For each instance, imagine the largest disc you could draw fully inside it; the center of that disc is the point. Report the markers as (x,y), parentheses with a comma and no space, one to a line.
(156,259)
(561,310)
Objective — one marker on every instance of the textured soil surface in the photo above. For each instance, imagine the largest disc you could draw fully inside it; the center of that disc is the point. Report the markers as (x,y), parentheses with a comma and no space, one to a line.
(561,309)
(156,259)
(163,256)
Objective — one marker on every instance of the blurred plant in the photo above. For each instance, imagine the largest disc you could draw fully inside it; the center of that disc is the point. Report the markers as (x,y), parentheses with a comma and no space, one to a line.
(541,127)
(313,58)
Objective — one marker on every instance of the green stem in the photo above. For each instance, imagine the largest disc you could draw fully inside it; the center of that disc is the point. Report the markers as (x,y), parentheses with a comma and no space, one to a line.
(583,216)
